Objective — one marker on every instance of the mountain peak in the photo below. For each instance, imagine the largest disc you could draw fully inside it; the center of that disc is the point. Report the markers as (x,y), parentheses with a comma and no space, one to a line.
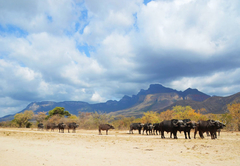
(156,88)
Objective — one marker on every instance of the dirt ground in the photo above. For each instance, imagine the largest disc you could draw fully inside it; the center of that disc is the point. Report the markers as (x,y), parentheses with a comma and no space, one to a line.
(21,147)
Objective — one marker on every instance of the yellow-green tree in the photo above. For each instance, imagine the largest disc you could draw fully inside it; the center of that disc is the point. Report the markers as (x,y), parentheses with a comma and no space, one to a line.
(234,110)
(150,117)
(227,119)
(22,118)
(73,118)
(187,112)
(166,115)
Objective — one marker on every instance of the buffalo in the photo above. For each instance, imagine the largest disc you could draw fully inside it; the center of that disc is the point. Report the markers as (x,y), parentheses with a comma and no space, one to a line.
(188,125)
(156,127)
(220,126)
(51,126)
(148,127)
(207,126)
(40,126)
(72,126)
(171,126)
(61,127)
(136,126)
(105,127)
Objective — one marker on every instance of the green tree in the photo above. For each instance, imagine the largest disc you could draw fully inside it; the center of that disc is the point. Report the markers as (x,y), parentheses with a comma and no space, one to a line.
(58,111)
(22,118)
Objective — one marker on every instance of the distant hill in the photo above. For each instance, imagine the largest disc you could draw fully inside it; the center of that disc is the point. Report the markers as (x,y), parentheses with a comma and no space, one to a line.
(156,98)
(213,104)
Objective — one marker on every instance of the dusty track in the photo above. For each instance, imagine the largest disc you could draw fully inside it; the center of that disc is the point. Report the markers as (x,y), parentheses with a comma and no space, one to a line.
(31,147)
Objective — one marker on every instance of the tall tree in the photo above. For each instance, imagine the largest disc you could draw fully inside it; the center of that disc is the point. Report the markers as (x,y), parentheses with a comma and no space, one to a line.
(58,111)
(234,110)
(22,118)
(40,117)
(150,117)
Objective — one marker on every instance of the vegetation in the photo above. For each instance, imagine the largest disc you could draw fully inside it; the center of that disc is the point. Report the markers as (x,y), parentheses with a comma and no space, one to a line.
(234,111)
(58,111)
(88,120)
(22,119)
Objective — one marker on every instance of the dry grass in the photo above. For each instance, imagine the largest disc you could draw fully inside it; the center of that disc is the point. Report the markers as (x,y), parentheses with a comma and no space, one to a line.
(86,147)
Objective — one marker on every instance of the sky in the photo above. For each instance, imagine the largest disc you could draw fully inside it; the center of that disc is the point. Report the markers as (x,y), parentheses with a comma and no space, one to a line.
(99,50)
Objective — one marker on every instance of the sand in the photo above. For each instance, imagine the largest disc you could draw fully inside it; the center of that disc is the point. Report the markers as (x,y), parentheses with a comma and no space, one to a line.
(22,147)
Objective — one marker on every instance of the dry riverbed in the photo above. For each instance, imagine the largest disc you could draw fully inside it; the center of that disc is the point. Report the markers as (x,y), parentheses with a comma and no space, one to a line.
(21,147)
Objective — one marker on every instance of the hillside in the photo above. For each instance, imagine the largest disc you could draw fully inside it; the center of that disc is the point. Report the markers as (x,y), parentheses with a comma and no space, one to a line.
(213,104)
(156,98)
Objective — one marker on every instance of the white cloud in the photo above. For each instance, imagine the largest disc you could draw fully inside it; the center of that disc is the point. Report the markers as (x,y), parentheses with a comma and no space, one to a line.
(97,98)
(180,43)
(194,26)
(214,84)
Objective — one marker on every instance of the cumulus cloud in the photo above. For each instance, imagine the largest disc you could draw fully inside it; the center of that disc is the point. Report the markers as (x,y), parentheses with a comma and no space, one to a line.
(95,50)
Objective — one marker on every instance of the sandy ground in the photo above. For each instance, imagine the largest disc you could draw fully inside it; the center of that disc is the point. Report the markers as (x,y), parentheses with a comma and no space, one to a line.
(21,147)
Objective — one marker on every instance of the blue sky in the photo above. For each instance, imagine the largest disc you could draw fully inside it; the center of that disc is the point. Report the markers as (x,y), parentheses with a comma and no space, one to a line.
(94,50)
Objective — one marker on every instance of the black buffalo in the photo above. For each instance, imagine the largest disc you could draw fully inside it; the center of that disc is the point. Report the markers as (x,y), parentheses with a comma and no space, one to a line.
(136,126)
(171,126)
(40,126)
(51,126)
(220,126)
(61,127)
(188,125)
(156,128)
(148,128)
(207,126)
(105,127)
(72,126)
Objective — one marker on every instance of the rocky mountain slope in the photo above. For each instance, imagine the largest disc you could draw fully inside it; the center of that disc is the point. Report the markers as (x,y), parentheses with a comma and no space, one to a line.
(155,98)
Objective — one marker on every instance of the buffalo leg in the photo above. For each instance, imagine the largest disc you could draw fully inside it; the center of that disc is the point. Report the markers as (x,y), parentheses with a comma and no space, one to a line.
(106,132)
(175,135)
(201,134)
(139,131)
(208,133)
(100,132)
(195,132)
(162,134)
(189,135)
(185,133)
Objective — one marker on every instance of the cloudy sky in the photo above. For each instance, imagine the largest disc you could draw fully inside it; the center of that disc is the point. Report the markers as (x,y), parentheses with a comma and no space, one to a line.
(99,50)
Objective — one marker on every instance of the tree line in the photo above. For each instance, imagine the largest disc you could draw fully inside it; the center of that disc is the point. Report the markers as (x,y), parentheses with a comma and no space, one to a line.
(87,120)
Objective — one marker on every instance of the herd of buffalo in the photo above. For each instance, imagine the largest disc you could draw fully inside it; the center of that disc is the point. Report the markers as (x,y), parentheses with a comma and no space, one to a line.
(169,126)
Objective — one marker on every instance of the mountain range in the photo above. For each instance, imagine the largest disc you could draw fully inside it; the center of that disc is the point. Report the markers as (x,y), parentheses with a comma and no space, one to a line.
(156,98)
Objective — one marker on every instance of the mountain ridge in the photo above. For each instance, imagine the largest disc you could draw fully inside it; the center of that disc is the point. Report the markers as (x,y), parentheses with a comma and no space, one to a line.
(156,98)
